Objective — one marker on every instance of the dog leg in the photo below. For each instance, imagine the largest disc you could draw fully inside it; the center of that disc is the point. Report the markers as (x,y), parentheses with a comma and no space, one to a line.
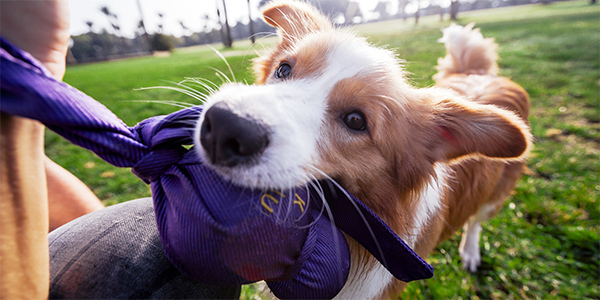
(469,245)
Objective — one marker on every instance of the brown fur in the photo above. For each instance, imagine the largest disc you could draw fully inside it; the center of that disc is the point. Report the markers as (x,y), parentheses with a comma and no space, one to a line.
(410,130)
(294,20)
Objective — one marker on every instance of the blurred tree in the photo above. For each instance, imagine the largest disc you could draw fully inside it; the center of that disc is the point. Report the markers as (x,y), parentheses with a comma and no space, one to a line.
(187,33)
(161,42)
(114,22)
(160,23)
(186,30)
(454,10)
(381,9)
(402,9)
(333,9)
(250,22)
(106,11)
(417,13)
(227,41)
(205,22)
(112,19)
(142,26)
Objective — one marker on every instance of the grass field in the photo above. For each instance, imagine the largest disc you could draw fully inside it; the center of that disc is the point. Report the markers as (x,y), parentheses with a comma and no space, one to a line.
(543,245)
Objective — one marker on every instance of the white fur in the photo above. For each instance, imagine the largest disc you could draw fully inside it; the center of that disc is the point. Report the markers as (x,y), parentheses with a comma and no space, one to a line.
(364,282)
(469,245)
(294,111)
(457,38)
(430,202)
(462,43)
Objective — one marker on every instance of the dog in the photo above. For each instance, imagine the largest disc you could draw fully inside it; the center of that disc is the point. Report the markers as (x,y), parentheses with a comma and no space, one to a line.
(326,104)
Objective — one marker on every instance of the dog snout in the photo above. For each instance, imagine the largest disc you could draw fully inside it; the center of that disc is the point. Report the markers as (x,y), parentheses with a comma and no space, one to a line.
(231,140)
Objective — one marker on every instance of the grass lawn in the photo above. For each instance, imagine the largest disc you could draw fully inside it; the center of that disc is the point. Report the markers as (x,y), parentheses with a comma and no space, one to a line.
(543,245)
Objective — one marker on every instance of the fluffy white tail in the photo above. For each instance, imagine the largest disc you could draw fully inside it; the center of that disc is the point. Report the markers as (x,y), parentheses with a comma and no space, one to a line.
(467,52)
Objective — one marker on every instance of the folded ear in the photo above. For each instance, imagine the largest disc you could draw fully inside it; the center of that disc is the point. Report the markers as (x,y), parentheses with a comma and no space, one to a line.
(465,128)
(294,19)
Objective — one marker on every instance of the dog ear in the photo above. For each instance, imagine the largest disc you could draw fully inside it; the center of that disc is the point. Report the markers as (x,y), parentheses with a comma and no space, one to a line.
(294,19)
(465,128)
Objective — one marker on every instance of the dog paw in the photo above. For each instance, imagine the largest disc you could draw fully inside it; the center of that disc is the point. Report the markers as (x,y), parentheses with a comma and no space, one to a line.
(471,259)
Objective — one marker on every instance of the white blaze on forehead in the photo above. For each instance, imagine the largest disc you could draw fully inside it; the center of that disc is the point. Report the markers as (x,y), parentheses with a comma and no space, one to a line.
(350,56)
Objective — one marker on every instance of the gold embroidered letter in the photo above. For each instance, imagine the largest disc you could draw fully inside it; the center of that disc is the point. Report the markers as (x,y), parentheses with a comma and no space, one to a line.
(300,202)
(264,203)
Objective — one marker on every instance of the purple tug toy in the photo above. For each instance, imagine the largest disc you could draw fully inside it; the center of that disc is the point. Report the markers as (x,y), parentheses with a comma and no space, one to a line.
(211,230)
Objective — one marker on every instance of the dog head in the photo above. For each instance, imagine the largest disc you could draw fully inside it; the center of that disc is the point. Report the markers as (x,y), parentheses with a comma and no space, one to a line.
(327,104)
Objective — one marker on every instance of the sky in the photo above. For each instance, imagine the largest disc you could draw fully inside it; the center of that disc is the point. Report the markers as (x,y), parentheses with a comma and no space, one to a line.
(190,12)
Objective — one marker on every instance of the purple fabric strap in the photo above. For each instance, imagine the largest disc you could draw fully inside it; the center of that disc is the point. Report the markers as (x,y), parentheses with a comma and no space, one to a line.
(212,230)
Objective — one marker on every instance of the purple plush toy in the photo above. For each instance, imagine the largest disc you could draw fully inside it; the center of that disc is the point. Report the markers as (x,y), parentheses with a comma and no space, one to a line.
(211,230)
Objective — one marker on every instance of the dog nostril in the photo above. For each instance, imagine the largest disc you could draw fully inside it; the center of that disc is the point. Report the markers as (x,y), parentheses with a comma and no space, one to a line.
(233,146)
(229,139)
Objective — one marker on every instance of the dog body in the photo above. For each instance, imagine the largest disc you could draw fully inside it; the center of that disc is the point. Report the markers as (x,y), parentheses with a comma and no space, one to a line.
(328,105)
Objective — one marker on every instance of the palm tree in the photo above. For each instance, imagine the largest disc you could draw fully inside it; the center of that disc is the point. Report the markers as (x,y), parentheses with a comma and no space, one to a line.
(417,12)
(186,34)
(110,16)
(250,23)
(206,21)
(142,25)
(114,22)
(186,30)
(228,41)
(453,9)
(105,10)
(160,25)
(402,9)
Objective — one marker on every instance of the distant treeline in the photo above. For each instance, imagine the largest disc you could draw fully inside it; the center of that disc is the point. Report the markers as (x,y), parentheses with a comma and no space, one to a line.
(93,46)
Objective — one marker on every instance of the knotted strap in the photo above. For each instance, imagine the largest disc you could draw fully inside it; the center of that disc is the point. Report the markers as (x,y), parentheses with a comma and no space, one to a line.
(212,230)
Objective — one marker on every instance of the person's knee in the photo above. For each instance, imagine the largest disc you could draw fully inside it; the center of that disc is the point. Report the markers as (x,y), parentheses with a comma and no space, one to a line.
(116,253)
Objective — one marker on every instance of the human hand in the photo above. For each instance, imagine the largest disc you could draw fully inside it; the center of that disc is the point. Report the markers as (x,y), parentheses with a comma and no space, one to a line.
(40,28)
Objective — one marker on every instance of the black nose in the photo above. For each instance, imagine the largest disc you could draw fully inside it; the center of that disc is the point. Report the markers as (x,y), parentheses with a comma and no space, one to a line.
(230,139)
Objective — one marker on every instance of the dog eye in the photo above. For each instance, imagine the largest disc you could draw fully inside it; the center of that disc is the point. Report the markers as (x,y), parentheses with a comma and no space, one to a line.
(283,71)
(355,120)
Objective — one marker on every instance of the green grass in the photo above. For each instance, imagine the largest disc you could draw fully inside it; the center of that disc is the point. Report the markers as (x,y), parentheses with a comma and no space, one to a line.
(543,245)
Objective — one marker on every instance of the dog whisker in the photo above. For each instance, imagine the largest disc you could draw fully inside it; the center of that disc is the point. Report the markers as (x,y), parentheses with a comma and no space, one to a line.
(224,78)
(191,84)
(207,85)
(165,102)
(185,91)
(226,63)
(347,196)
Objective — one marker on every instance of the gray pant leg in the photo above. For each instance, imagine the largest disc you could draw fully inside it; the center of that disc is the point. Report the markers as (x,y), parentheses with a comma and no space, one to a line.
(116,253)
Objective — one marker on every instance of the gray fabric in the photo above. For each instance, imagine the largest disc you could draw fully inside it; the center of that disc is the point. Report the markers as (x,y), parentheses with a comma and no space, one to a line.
(115,253)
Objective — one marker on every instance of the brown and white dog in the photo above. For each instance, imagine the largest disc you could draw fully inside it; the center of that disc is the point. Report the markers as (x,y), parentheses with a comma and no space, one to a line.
(328,105)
